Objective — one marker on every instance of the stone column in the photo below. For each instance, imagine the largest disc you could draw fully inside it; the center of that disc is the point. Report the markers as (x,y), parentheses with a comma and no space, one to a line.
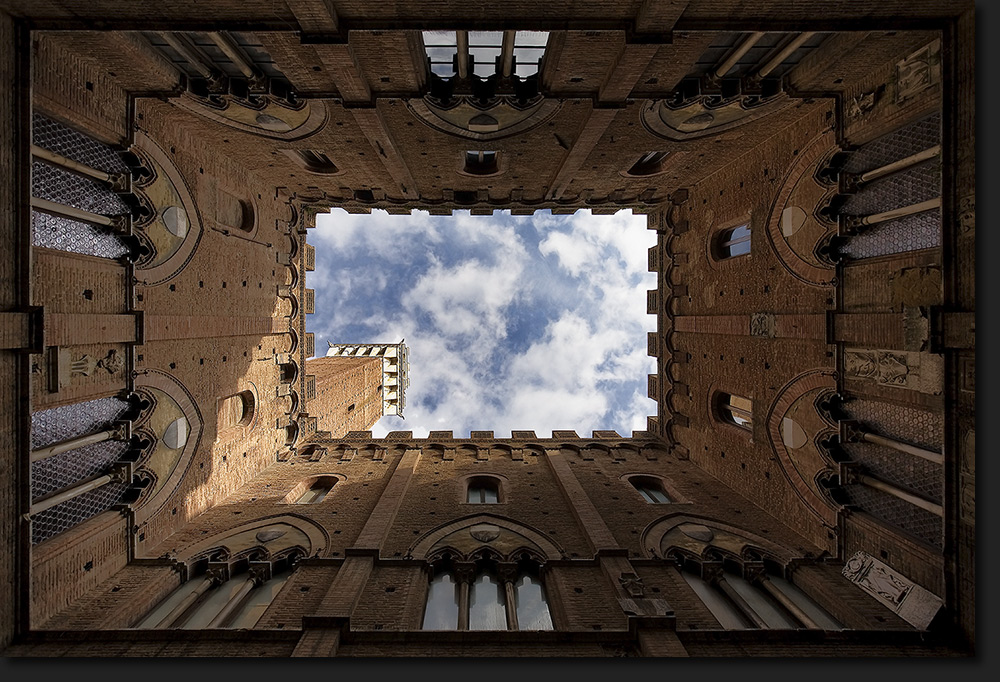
(213,578)
(465,573)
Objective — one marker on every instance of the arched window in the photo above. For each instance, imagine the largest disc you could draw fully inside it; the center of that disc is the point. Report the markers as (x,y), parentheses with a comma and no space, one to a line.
(651,489)
(761,600)
(476,598)
(318,489)
(735,409)
(649,163)
(482,162)
(487,603)
(441,611)
(732,242)
(220,599)
(530,604)
(483,490)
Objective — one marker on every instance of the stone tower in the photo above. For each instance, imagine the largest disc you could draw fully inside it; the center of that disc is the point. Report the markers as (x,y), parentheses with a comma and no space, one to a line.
(357,384)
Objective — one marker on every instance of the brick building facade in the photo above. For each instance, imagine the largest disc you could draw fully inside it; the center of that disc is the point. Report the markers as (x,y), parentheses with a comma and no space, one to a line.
(183,482)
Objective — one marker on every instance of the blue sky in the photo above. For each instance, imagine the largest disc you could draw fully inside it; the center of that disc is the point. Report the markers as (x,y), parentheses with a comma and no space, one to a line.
(512,322)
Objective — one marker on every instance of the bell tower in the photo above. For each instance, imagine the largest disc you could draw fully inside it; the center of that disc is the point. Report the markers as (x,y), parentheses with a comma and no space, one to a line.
(357,384)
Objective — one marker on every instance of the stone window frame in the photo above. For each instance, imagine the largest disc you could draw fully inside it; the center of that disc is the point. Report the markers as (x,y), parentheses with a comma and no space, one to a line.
(307,483)
(667,487)
(505,569)
(484,169)
(716,409)
(714,243)
(469,479)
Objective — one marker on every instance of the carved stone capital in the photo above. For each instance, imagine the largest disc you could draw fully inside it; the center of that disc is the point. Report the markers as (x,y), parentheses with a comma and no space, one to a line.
(507,572)
(260,572)
(218,574)
(465,571)
(851,431)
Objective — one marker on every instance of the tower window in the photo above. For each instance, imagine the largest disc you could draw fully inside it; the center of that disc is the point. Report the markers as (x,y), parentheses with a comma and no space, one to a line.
(649,163)
(733,242)
(318,490)
(651,489)
(735,410)
(481,162)
(483,490)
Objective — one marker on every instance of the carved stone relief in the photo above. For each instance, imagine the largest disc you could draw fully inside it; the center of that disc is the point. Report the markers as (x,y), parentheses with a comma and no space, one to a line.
(919,71)
(863,103)
(632,584)
(967,477)
(922,372)
(967,214)
(915,286)
(762,324)
(113,362)
(909,601)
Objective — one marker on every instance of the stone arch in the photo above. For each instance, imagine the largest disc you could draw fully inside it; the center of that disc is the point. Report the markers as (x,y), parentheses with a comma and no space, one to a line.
(165,467)
(274,535)
(173,227)
(803,483)
(510,535)
(707,115)
(697,535)
(794,231)
(507,118)
(263,115)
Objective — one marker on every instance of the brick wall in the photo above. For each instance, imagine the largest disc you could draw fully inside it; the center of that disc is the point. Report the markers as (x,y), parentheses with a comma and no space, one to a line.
(347,393)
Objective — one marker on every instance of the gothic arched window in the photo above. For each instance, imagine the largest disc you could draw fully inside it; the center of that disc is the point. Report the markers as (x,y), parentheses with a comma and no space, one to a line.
(487,596)
(482,162)
(316,490)
(314,161)
(220,598)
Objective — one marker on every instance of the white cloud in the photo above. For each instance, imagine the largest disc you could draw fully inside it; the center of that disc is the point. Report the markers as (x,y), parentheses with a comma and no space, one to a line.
(583,367)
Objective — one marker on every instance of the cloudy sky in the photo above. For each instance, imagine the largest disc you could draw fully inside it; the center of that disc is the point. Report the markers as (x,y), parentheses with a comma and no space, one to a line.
(512,322)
